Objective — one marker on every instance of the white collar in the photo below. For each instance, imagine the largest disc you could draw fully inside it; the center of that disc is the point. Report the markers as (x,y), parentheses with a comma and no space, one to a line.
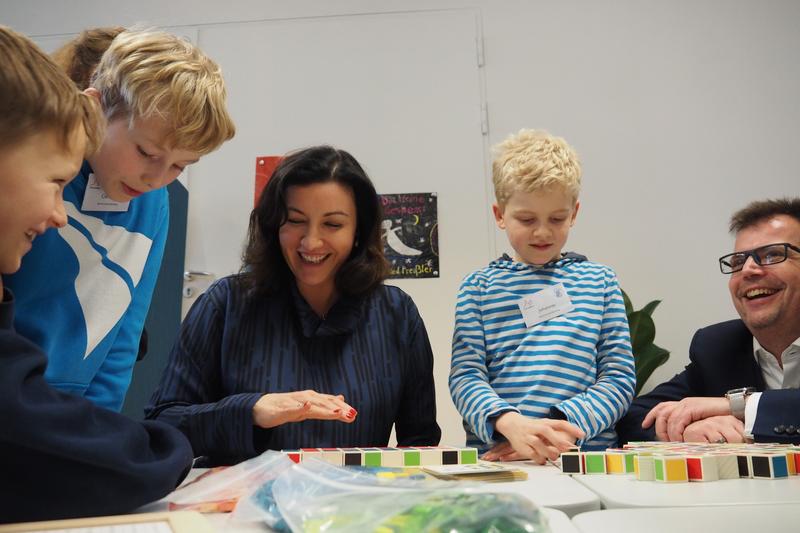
(757,348)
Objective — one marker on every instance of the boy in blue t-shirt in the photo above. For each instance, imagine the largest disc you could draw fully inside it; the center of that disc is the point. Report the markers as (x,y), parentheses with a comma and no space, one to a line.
(60,456)
(165,103)
(541,349)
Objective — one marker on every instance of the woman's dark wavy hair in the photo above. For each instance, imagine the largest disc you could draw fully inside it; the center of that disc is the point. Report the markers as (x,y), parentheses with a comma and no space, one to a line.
(264,269)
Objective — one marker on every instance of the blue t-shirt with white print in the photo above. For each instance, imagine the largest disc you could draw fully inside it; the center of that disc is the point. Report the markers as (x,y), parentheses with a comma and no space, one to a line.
(84,290)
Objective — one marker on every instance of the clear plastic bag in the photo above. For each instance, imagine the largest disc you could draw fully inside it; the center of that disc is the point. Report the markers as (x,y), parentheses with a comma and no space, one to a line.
(313,479)
(315,497)
(219,489)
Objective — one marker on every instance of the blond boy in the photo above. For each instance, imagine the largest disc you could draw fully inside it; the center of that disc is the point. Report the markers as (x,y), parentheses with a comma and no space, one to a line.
(60,456)
(164,101)
(541,349)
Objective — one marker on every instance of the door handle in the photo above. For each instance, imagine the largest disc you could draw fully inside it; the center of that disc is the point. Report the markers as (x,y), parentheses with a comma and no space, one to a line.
(189,275)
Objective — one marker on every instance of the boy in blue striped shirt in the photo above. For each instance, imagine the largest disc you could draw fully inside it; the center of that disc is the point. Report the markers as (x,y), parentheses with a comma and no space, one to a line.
(541,349)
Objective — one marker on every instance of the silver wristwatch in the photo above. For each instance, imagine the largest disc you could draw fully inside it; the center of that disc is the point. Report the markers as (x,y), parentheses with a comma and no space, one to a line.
(738,399)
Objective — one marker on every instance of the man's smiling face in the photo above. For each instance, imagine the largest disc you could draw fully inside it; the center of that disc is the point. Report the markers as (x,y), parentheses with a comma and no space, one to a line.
(768,296)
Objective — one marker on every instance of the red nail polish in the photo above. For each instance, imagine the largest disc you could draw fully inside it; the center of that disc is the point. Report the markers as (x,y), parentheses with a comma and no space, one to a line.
(352,413)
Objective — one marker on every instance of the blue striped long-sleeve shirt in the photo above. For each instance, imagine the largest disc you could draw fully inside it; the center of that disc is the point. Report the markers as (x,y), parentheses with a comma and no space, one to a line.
(579,363)
(233,348)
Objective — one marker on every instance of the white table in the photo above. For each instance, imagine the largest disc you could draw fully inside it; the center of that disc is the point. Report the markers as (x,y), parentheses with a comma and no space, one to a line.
(546,486)
(621,491)
(727,519)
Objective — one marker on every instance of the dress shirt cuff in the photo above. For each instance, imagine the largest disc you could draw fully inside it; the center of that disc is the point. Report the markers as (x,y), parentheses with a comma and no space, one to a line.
(750,412)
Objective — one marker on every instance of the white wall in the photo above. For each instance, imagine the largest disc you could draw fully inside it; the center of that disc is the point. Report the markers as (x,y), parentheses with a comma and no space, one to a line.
(682,112)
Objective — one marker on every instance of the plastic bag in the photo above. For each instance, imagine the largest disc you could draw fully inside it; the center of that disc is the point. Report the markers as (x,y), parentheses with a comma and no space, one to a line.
(315,497)
(219,489)
(314,478)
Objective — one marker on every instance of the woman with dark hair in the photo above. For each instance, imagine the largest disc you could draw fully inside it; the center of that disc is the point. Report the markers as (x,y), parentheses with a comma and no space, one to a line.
(305,347)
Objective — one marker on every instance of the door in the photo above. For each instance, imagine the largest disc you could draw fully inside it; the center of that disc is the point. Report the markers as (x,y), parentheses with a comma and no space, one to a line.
(402,92)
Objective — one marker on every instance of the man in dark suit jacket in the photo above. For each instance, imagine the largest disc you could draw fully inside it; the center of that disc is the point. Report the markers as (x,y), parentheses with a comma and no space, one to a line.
(743,375)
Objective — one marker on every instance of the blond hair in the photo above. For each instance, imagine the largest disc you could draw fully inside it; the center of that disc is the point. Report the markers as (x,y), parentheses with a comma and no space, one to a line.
(80,56)
(36,96)
(532,160)
(148,73)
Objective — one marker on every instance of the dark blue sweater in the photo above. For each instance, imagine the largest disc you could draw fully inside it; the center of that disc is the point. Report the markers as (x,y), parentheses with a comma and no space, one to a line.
(234,348)
(61,456)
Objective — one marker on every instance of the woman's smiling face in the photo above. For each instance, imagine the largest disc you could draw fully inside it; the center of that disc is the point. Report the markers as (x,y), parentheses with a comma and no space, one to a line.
(318,235)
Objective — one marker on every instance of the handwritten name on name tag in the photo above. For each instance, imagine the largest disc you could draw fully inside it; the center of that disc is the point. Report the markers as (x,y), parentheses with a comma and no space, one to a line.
(545,304)
(95,199)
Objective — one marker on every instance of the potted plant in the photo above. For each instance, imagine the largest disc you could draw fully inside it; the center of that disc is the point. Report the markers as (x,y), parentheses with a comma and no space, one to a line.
(646,354)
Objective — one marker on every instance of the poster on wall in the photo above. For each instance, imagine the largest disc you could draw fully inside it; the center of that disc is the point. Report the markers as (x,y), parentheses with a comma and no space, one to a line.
(265,165)
(411,234)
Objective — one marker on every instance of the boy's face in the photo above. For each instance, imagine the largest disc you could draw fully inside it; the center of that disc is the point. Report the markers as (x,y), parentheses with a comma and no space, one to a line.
(33,174)
(133,159)
(537,223)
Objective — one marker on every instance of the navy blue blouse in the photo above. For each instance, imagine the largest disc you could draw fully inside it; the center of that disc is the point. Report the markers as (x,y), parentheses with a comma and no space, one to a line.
(233,348)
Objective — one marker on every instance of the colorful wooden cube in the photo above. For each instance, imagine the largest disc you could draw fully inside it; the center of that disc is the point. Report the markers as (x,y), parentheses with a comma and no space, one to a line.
(727,466)
(353,457)
(469,456)
(744,465)
(671,468)
(429,455)
(311,453)
(769,466)
(571,463)
(333,456)
(594,463)
(392,457)
(702,468)
(295,455)
(619,462)
(644,467)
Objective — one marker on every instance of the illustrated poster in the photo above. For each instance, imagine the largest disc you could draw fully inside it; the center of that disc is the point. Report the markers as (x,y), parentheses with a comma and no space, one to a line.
(411,234)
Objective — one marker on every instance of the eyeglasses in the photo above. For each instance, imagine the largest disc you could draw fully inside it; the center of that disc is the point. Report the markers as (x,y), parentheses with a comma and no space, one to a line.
(771,254)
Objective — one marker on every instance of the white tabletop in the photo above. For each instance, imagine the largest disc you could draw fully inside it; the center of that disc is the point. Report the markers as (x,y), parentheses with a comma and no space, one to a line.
(727,519)
(546,486)
(620,491)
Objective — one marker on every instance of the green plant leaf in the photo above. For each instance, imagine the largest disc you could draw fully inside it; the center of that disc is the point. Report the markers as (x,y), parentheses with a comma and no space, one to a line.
(646,355)
(647,360)
(649,308)
(628,304)
(643,330)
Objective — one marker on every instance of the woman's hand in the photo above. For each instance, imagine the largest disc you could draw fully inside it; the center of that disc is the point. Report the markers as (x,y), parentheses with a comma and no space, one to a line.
(280,408)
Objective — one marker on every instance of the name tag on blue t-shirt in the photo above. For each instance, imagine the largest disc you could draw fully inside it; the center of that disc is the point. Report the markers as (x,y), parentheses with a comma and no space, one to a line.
(545,304)
(95,199)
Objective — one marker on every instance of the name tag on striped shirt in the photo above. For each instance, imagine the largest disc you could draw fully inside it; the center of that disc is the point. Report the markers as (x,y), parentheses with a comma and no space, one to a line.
(545,304)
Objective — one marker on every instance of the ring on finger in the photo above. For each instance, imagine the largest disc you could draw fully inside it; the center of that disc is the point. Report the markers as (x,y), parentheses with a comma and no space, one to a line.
(721,440)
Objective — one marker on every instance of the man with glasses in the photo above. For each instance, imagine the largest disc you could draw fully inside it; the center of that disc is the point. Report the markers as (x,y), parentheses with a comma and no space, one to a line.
(743,376)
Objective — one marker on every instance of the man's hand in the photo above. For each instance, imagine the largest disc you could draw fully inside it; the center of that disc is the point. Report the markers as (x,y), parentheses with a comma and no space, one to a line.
(276,409)
(530,438)
(671,418)
(714,429)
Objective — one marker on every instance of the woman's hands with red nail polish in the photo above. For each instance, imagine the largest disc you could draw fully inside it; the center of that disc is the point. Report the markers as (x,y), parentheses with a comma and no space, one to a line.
(275,409)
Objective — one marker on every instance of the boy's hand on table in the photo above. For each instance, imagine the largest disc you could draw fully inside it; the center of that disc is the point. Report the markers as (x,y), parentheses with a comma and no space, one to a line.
(275,409)
(537,439)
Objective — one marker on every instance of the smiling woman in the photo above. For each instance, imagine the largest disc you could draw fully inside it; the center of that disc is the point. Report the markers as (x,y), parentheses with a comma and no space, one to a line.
(305,347)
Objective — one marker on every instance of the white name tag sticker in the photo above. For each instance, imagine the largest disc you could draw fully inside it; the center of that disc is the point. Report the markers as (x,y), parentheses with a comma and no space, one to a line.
(95,199)
(546,304)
